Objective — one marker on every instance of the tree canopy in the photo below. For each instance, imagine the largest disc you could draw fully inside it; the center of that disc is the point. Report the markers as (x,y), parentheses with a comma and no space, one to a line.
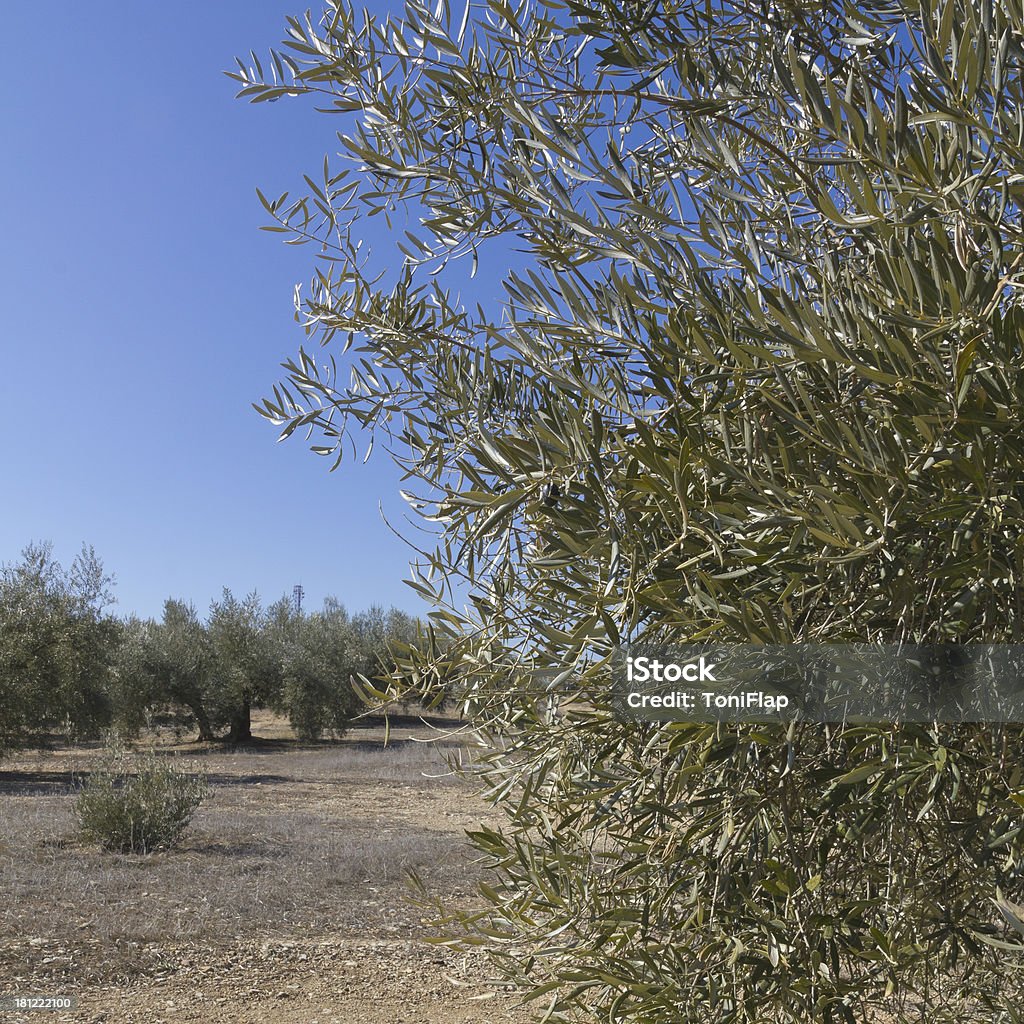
(755,374)
(56,646)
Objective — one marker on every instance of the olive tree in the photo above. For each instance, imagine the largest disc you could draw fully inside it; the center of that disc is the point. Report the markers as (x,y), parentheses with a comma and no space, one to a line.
(57,644)
(325,656)
(178,660)
(754,374)
(245,667)
(318,660)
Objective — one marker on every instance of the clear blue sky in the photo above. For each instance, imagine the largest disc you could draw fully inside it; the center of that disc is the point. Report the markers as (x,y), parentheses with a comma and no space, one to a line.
(142,311)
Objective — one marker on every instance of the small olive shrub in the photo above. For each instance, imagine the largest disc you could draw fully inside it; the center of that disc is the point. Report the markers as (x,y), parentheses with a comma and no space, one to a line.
(138,805)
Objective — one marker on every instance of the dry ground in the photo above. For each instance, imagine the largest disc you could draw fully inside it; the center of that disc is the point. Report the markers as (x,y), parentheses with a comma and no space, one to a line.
(286,901)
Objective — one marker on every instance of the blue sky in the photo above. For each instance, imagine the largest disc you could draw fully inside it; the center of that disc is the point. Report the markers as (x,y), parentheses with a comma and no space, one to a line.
(142,312)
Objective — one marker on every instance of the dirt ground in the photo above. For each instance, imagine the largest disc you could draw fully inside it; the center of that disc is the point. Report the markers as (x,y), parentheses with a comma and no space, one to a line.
(285,902)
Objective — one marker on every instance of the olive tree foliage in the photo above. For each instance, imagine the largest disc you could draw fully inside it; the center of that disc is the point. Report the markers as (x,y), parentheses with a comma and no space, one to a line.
(246,662)
(56,646)
(754,374)
(378,633)
(328,655)
(166,664)
(318,660)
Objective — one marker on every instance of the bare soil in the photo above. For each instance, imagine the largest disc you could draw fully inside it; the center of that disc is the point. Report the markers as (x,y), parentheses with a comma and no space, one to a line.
(286,901)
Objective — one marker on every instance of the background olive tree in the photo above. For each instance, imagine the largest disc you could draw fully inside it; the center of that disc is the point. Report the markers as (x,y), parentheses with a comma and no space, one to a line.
(756,374)
(326,656)
(246,669)
(57,645)
(167,664)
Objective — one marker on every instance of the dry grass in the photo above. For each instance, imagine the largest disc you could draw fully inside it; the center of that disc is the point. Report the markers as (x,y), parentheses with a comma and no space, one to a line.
(292,839)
